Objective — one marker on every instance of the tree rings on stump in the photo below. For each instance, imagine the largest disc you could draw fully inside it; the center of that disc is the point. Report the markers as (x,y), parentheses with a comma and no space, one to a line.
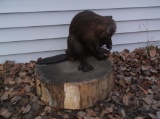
(62,86)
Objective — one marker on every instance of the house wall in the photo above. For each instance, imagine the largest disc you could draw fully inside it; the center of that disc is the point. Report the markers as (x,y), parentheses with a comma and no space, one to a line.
(30,29)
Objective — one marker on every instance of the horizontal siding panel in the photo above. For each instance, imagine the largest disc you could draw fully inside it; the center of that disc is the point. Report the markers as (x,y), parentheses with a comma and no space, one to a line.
(47,32)
(33,33)
(136,37)
(65,17)
(10,6)
(61,43)
(130,47)
(138,26)
(32,46)
(23,58)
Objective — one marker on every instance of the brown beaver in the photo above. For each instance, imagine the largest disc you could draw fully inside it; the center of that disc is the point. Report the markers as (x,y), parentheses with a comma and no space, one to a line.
(88,32)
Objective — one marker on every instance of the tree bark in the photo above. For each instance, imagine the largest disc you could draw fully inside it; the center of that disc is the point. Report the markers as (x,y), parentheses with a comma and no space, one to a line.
(62,86)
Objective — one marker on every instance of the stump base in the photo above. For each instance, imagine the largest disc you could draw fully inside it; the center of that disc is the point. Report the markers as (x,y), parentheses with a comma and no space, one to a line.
(62,86)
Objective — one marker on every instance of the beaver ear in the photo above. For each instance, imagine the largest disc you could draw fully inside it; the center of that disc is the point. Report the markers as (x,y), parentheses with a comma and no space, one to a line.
(108,17)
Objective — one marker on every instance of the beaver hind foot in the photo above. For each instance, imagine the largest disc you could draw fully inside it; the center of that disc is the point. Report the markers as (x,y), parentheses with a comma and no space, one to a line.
(85,67)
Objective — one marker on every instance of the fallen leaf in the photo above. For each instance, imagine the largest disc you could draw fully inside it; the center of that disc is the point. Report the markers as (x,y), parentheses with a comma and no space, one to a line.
(5,113)
(38,117)
(27,88)
(65,116)
(81,114)
(31,94)
(126,100)
(153,116)
(36,107)
(148,99)
(22,74)
(26,79)
(13,93)
(113,117)
(1,67)
(11,81)
(5,96)
(2,109)
(1,80)
(158,103)
(122,68)
(103,113)
(155,107)
(19,81)
(122,83)
(15,99)
(145,92)
(109,109)
(23,101)
(155,88)
(91,112)
(145,86)
(158,114)
(32,64)
(6,81)
(32,83)
(123,113)
(40,103)
(139,118)
(97,118)
(26,109)
(144,68)
(128,80)
(153,70)
(146,107)
(150,91)
(34,99)
(152,52)
(47,109)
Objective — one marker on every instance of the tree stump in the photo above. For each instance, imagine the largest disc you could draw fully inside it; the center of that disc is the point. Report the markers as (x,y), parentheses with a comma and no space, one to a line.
(62,86)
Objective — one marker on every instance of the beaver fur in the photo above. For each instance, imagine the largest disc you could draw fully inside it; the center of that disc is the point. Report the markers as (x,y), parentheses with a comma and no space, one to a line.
(88,32)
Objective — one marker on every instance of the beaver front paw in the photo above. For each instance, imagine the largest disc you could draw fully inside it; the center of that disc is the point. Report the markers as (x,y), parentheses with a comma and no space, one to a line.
(100,54)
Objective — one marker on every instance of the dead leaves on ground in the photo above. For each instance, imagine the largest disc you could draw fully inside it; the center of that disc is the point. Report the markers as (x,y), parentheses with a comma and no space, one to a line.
(18,88)
(136,94)
(138,82)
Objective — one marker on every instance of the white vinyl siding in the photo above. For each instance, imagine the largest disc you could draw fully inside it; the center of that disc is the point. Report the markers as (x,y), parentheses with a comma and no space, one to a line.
(30,29)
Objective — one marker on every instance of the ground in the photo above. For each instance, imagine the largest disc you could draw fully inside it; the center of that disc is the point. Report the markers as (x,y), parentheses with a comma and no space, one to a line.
(136,94)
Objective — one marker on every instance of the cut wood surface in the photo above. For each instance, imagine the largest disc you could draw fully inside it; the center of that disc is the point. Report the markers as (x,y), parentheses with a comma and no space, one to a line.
(62,86)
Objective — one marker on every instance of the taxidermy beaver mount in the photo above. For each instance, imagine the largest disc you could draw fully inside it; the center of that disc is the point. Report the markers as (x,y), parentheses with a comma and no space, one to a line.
(88,32)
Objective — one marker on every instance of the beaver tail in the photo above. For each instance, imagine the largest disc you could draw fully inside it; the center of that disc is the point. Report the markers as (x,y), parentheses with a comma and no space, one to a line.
(53,59)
